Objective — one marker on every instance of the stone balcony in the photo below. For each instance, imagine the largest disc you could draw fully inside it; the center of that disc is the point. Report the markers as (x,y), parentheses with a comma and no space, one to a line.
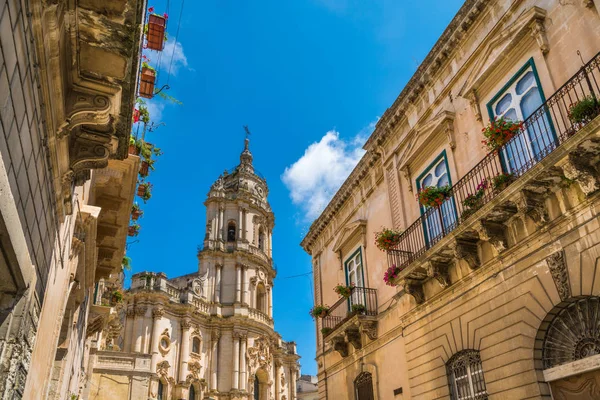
(567,152)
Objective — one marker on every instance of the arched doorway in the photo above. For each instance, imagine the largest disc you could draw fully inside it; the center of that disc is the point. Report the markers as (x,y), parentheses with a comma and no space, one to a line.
(261,385)
(568,349)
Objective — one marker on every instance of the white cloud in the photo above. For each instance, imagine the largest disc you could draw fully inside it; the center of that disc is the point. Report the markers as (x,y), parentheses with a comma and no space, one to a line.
(315,177)
(155,108)
(173,50)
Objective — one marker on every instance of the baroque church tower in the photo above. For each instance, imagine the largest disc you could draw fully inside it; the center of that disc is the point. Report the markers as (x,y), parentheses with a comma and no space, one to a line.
(210,334)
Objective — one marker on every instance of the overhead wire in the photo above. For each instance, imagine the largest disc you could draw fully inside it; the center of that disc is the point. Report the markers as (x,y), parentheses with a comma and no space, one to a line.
(175,42)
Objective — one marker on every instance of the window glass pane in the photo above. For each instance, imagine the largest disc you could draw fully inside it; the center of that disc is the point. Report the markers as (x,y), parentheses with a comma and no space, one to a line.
(530,102)
(503,104)
(427,180)
(443,181)
(525,83)
(440,169)
(511,115)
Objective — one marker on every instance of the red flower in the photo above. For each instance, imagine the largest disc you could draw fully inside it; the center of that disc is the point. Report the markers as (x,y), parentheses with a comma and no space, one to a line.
(136,115)
(166,16)
(151,10)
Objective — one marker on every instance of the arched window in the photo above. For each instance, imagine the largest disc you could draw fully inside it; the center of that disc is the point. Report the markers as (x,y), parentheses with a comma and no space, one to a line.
(465,376)
(256,388)
(363,386)
(192,393)
(261,239)
(196,345)
(261,298)
(161,389)
(231,232)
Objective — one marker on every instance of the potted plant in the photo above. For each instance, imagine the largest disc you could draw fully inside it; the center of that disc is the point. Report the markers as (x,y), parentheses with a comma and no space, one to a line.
(433,196)
(390,274)
(501,181)
(499,132)
(136,211)
(474,201)
(144,191)
(343,290)
(134,146)
(319,311)
(147,80)
(155,30)
(144,169)
(583,111)
(116,297)
(386,239)
(358,308)
(133,230)
(326,331)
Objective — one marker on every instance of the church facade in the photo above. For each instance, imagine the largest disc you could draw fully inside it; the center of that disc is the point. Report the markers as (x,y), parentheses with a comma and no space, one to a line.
(208,334)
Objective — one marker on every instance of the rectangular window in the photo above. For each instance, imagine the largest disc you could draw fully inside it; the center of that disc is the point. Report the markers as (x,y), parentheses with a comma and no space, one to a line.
(440,221)
(518,100)
(355,275)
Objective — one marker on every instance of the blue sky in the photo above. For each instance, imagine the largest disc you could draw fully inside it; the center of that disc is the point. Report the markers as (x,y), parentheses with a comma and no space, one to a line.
(310,78)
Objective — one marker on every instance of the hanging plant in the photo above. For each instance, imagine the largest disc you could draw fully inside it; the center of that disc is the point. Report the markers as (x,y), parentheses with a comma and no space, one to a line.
(474,201)
(133,230)
(390,274)
(499,132)
(319,311)
(147,80)
(358,308)
(126,263)
(387,239)
(155,30)
(433,196)
(134,146)
(136,211)
(501,181)
(343,290)
(116,297)
(144,169)
(583,111)
(144,191)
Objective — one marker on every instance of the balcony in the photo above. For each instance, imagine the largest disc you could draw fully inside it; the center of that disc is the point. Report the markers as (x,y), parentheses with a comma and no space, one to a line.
(557,149)
(349,317)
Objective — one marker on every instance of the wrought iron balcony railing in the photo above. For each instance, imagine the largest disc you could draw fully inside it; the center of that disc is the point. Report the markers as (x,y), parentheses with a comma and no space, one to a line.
(543,131)
(362,301)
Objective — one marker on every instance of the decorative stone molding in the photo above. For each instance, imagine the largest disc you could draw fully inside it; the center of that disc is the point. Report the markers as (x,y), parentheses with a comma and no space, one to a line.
(353,337)
(89,150)
(538,32)
(339,344)
(215,335)
(474,103)
(130,313)
(493,233)
(84,108)
(576,169)
(415,290)
(532,205)
(259,355)
(158,312)
(162,368)
(407,176)
(140,311)
(194,367)
(560,274)
(588,3)
(369,328)
(186,324)
(466,250)
(438,271)
(164,343)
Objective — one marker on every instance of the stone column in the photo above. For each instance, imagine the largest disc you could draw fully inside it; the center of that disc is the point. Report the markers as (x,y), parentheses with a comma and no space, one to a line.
(185,348)
(245,232)
(214,361)
(217,289)
(238,283)
(236,360)
(270,300)
(270,243)
(157,314)
(242,385)
(138,328)
(244,284)
(220,230)
(240,223)
(127,347)
(293,384)
(277,379)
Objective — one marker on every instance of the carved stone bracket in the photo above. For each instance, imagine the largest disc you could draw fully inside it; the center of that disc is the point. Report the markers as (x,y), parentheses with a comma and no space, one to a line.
(532,205)
(353,337)
(339,344)
(578,170)
(369,328)
(84,108)
(406,173)
(538,32)
(466,250)
(438,271)
(88,150)
(558,269)
(415,289)
(493,233)
(474,103)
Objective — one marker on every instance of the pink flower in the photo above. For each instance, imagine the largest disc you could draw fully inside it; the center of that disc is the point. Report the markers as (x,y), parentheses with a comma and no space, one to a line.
(151,10)
(166,15)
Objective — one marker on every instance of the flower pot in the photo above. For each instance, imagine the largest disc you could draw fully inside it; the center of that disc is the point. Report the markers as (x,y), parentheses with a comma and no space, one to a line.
(141,190)
(144,168)
(155,37)
(132,231)
(147,83)
(134,150)
(136,214)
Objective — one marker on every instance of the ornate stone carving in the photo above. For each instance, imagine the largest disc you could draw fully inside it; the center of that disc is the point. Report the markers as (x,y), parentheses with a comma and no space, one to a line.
(130,313)
(438,271)
(84,108)
(194,367)
(140,311)
(532,205)
(162,368)
(369,328)
(158,312)
(253,281)
(406,173)
(578,170)
(215,335)
(560,274)
(88,150)
(339,344)
(353,337)
(164,342)
(259,355)
(538,32)
(415,290)
(492,233)
(466,250)
(573,333)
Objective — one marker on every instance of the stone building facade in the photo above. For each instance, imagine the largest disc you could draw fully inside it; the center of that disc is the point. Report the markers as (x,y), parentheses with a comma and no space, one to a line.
(209,334)
(493,293)
(68,75)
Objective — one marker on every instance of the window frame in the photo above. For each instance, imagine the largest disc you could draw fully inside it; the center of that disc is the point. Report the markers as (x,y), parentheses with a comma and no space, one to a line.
(356,386)
(516,76)
(194,338)
(362,270)
(443,155)
(470,375)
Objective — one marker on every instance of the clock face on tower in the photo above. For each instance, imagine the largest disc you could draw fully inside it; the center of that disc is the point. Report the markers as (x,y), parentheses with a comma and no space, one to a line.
(259,191)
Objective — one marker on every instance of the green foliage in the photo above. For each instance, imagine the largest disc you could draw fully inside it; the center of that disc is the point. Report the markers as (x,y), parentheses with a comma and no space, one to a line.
(319,311)
(583,111)
(386,239)
(326,331)
(499,132)
(358,308)
(126,263)
(432,196)
(501,181)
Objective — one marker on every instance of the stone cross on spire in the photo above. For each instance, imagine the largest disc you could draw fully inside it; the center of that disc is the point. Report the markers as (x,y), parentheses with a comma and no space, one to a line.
(246,156)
